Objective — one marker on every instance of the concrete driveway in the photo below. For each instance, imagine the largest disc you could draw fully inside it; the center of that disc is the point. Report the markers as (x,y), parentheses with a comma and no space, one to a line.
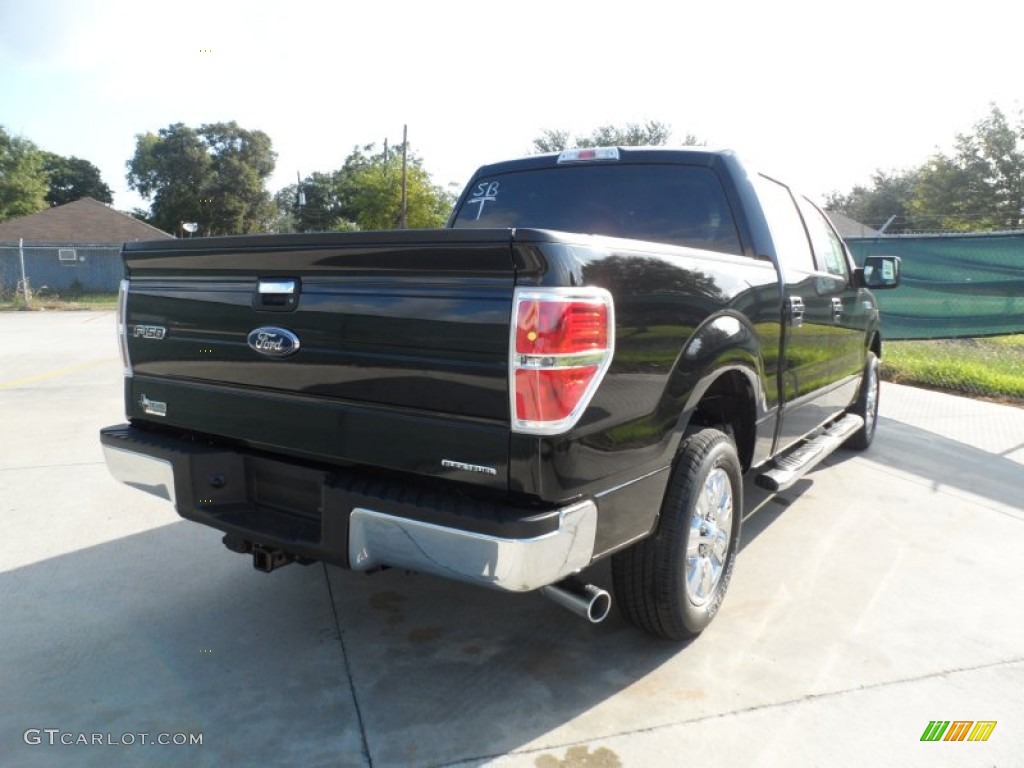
(884,592)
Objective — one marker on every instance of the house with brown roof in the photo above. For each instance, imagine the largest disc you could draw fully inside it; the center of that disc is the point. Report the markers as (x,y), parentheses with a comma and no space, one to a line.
(75,247)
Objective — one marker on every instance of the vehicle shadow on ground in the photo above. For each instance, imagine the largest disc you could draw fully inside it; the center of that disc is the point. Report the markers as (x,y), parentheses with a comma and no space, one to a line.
(929,456)
(445,672)
(166,632)
(907,449)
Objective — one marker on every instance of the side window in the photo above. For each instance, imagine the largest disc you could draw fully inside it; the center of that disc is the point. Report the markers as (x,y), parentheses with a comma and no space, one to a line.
(787,228)
(828,249)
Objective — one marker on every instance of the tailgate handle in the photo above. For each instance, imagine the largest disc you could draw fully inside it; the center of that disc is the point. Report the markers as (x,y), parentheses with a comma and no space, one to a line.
(277,286)
(276,295)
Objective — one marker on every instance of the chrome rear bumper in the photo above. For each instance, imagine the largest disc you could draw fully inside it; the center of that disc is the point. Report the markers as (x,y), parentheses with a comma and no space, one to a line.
(147,473)
(516,565)
(502,547)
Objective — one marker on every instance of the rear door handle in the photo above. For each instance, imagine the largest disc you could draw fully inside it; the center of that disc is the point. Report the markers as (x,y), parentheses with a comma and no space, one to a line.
(837,309)
(796,311)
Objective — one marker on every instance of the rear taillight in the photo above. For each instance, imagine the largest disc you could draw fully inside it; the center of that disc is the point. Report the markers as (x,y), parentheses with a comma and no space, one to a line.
(122,327)
(561,346)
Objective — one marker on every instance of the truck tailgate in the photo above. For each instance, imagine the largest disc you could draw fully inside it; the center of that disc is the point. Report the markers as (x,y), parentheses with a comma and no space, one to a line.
(387,349)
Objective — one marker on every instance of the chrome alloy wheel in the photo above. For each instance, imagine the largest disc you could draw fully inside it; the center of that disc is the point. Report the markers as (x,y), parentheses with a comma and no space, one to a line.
(708,544)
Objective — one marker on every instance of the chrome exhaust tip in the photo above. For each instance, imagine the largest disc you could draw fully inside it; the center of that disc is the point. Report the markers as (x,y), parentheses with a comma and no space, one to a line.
(592,603)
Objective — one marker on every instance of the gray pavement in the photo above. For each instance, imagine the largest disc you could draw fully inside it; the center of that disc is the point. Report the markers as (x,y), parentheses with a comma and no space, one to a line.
(884,591)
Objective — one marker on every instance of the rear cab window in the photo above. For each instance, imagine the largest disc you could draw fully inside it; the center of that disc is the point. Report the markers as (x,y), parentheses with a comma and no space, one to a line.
(667,203)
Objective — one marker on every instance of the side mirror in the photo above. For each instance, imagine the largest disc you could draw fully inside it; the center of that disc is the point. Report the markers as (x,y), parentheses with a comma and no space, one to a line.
(879,272)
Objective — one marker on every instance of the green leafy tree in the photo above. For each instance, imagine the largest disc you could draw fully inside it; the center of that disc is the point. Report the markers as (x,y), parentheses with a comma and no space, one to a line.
(23,181)
(366,193)
(946,198)
(72,178)
(977,187)
(981,184)
(551,141)
(890,195)
(314,204)
(284,220)
(651,133)
(214,175)
(141,214)
(370,191)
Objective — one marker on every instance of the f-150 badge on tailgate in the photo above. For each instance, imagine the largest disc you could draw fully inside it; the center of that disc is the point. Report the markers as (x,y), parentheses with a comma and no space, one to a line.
(149,332)
(273,342)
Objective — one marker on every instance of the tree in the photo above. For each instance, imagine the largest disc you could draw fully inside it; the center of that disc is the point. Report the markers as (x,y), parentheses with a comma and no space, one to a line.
(284,219)
(370,189)
(319,207)
(23,181)
(214,175)
(652,133)
(890,195)
(945,197)
(979,186)
(72,178)
(366,193)
(551,141)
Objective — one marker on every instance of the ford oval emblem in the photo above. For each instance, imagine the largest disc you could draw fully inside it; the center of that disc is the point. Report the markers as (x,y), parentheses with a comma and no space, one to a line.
(273,342)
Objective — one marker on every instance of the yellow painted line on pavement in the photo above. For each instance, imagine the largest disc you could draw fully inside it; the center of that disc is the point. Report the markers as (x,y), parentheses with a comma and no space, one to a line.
(57,372)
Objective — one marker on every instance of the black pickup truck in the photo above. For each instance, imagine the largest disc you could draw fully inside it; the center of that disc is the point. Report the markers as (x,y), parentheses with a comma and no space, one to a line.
(582,365)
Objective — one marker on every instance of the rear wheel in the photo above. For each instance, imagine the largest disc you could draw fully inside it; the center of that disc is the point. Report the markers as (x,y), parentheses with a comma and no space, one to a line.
(867,405)
(673,582)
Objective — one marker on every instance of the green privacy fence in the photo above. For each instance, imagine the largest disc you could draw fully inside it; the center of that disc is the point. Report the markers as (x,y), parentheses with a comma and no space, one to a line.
(953,286)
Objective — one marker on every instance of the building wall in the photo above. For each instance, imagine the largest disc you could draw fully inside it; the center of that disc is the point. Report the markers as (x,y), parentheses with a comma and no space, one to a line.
(62,268)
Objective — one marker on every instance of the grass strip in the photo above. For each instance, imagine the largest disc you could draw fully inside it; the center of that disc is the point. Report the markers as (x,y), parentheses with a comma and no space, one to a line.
(14,302)
(986,367)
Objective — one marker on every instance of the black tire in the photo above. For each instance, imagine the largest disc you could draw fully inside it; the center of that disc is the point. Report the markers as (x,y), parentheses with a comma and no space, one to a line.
(650,578)
(867,405)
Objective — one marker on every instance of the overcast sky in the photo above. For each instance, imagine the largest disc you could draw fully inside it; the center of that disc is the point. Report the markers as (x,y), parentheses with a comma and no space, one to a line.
(820,94)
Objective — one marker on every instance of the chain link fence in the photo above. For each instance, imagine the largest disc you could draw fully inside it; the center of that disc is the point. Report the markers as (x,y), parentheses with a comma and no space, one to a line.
(957,321)
(953,286)
(41,274)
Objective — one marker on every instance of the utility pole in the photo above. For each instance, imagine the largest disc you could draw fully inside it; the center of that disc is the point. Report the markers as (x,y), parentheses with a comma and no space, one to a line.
(405,177)
(24,280)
